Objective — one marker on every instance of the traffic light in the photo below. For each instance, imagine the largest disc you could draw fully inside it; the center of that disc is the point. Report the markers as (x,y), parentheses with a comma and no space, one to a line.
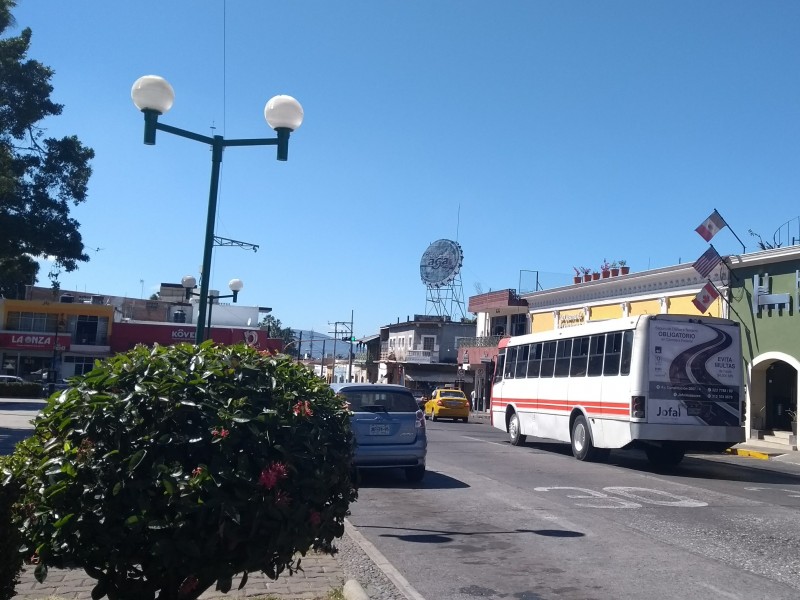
(348,338)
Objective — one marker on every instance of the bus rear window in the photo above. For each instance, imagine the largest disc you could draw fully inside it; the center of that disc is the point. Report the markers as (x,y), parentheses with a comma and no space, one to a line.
(627,352)
(613,351)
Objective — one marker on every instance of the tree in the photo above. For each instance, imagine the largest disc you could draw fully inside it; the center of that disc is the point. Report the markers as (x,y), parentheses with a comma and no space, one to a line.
(275,329)
(40,178)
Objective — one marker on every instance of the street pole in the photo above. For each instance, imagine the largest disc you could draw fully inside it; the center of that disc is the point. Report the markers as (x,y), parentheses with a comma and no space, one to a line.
(154,96)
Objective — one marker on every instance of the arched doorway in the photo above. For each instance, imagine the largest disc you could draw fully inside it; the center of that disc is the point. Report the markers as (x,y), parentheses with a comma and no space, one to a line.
(773,392)
(780,396)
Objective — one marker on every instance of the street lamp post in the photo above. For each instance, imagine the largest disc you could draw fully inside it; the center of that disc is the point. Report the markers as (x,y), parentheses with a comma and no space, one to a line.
(154,96)
(189,283)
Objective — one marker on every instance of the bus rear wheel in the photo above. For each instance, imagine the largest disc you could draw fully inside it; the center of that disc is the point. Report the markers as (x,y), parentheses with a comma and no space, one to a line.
(582,446)
(514,431)
(664,456)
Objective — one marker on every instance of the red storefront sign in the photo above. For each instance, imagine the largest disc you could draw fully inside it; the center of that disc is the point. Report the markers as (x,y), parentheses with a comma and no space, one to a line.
(126,335)
(34,341)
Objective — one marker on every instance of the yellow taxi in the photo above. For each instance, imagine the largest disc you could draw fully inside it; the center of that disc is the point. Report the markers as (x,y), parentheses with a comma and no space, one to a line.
(448,404)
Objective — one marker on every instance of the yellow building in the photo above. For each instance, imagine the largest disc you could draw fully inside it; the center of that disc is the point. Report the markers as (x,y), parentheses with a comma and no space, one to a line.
(670,290)
(50,340)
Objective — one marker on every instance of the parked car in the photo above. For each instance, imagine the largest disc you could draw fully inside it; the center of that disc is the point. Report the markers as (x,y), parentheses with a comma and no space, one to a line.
(58,386)
(11,379)
(388,426)
(449,404)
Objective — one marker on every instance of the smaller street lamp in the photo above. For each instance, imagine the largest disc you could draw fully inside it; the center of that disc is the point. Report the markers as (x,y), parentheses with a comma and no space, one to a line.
(189,283)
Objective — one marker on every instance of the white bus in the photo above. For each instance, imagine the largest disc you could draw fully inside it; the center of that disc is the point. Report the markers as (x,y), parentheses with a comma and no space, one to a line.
(662,383)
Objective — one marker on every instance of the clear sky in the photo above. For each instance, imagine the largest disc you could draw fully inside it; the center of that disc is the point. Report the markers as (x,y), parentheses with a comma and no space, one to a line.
(539,135)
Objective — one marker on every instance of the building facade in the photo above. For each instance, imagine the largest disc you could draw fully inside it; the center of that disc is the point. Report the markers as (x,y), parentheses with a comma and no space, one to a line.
(52,336)
(422,354)
(765,296)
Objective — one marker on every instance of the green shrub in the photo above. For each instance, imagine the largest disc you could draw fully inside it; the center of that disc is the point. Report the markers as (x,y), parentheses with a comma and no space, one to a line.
(28,389)
(167,469)
(12,471)
(10,558)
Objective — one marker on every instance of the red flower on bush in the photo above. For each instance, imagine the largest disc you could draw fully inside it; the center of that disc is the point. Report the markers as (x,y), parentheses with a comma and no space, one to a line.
(303,409)
(270,476)
(223,433)
(197,472)
(314,518)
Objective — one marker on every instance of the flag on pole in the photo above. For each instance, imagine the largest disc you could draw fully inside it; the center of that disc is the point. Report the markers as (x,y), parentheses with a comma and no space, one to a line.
(706,263)
(705,297)
(709,228)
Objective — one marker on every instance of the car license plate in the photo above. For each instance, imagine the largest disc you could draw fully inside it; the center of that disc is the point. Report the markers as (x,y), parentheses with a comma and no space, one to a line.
(379,430)
(454,404)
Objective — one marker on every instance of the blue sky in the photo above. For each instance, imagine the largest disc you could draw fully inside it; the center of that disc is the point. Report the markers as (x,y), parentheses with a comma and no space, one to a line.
(539,135)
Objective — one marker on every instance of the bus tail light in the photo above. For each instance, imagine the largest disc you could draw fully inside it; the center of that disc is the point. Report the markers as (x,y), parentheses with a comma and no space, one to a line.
(744,412)
(637,407)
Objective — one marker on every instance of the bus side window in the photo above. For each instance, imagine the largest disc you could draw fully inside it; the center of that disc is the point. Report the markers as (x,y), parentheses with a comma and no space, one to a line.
(597,347)
(498,372)
(548,359)
(511,360)
(534,360)
(522,360)
(580,357)
(563,352)
(613,349)
(627,351)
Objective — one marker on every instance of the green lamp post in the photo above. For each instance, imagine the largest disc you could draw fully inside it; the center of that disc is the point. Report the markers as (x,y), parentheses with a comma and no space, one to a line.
(154,96)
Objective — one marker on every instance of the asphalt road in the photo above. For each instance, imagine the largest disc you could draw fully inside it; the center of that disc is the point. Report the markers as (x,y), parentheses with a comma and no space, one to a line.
(15,417)
(528,523)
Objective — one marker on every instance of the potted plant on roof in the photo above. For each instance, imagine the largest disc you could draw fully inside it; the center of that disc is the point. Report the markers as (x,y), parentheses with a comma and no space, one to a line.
(614,269)
(578,275)
(586,272)
(605,269)
(624,269)
(595,275)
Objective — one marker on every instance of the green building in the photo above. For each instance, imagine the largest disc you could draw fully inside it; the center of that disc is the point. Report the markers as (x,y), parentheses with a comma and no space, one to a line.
(764,293)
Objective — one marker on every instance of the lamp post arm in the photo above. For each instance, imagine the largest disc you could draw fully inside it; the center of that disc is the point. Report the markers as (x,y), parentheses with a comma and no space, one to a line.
(186,134)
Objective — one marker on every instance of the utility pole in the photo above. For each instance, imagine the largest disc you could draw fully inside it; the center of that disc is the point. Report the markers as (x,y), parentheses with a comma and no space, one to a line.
(347,328)
(350,363)
(299,344)
(335,332)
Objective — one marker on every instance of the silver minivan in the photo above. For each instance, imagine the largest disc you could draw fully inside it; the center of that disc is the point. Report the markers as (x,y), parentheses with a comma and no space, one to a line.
(388,426)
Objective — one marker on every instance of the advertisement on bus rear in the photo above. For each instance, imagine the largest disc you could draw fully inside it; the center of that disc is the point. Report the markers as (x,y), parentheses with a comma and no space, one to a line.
(695,374)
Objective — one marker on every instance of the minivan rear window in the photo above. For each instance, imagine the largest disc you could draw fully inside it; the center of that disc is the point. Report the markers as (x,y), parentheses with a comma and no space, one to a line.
(389,401)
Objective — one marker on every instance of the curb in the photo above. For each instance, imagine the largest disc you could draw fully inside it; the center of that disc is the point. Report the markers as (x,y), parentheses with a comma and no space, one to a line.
(748,453)
(352,590)
(380,561)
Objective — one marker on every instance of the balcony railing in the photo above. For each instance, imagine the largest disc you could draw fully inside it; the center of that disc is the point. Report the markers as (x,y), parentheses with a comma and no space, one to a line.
(490,341)
(410,356)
